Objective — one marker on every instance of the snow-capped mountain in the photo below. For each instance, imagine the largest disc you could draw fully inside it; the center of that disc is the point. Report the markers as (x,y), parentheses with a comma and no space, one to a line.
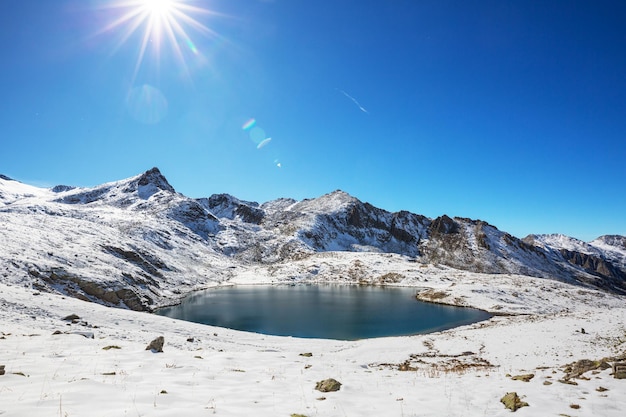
(604,256)
(138,243)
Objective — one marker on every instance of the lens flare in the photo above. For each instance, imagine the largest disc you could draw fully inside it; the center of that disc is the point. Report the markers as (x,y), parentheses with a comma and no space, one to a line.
(146,104)
(249,124)
(257,135)
(263,143)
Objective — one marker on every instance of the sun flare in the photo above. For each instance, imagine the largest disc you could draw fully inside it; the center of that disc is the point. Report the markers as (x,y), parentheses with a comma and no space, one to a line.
(158,7)
(158,23)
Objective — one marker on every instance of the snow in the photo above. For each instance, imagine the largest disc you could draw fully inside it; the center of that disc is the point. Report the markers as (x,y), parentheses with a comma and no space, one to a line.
(613,247)
(176,246)
(11,191)
(206,370)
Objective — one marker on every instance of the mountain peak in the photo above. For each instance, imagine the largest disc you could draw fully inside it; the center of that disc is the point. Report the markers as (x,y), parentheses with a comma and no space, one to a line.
(152,181)
(340,193)
(339,196)
(332,202)
(154,177)
(617,241)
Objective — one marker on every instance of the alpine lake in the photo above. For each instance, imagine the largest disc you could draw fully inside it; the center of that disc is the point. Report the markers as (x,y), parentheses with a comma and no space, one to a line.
(324,311)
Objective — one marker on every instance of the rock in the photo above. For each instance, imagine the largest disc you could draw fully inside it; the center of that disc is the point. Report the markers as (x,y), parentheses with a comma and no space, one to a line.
(619,370)
(525,377)
(577,369)
(71,317)
(306,354)
(156,345)
(328,385)
(111,347)
(2,372)
(512,401)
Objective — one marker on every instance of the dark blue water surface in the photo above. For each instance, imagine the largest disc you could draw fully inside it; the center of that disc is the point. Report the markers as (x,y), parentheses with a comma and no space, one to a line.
(344,312)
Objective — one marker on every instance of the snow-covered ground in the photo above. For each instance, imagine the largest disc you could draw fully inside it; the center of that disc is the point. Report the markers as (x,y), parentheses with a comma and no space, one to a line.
(137,243)
(206,370)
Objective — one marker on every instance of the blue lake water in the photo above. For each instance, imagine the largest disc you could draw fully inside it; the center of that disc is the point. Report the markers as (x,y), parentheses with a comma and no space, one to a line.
(343,312)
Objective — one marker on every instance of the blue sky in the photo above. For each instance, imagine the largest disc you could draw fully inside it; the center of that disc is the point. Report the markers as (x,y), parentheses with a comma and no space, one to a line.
(513,112)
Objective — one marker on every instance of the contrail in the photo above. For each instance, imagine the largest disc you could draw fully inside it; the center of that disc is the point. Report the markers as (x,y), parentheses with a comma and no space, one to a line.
(363,109)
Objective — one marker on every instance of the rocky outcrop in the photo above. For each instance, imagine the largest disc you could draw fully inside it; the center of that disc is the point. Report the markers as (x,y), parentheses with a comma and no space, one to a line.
(153,178)
(89,290)
(62,188)
(148,263)
(579,368)
(250,214)
(614,278)
(229,207)
(443,225)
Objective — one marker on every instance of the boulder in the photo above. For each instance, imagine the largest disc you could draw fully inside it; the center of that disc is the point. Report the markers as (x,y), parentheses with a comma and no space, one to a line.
(156,345)
(71,317)
(328,385)
(525,377)
(512,401)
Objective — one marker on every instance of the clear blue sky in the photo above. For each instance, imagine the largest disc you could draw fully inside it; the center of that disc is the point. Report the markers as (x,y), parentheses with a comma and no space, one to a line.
(513,112)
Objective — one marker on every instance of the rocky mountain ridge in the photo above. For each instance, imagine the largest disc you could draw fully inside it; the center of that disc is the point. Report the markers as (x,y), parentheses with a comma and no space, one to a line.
(137,242)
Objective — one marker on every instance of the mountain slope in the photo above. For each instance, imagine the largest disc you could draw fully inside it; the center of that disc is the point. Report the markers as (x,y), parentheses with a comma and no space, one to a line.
(604,257)
(137,243)
(127,243)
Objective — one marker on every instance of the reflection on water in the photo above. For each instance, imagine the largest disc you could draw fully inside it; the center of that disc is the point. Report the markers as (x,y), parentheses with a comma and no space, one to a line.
(344,312)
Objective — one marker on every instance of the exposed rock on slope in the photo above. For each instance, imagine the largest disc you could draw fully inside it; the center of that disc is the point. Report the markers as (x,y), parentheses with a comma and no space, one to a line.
(137,243)
(477,246)
(604,257)
(340,222)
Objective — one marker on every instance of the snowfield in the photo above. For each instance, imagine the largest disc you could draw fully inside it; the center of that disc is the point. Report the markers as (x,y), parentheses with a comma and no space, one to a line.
(99,364)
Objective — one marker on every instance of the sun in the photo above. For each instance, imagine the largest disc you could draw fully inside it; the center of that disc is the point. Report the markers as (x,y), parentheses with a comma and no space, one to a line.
(159,8)
(159,23)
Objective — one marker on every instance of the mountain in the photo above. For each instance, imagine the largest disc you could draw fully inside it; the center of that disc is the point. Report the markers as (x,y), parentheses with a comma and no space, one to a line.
(604,257)
(137,243)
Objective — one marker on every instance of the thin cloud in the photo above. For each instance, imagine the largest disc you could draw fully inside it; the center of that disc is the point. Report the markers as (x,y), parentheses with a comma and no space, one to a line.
(363,109)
